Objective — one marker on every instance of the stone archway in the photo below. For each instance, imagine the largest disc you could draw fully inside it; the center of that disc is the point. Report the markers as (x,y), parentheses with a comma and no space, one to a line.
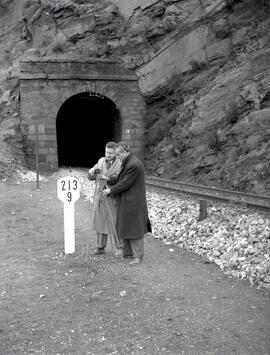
(52,100)
(84,124)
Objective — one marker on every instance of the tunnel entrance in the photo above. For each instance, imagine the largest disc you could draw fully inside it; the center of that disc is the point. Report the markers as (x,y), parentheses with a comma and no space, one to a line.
(77,106)
(84,124)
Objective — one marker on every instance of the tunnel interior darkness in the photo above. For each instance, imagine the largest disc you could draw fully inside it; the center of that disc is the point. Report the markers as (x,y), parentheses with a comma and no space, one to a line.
(84,124)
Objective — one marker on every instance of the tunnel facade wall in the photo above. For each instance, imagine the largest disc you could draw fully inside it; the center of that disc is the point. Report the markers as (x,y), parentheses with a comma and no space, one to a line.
(44,88)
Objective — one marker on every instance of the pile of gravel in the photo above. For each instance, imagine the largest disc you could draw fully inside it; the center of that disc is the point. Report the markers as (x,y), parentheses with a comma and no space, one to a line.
(235,238)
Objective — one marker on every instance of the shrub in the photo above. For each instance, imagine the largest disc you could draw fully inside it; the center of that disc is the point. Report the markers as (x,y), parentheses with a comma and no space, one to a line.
(232,113)
(160,128)
(58,47)
(46,41)
(216,140)
(213,142)
(196,66)
(175,93)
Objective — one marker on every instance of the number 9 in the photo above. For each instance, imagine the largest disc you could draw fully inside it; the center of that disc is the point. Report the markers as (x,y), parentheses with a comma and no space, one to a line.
(69,195)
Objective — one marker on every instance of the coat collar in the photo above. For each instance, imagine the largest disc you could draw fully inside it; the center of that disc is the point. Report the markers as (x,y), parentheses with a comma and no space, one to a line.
(109,163)
(124,162)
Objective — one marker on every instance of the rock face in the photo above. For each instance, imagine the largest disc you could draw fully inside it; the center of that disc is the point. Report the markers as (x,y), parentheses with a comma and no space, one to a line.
(127,7)
(212,139)
(194,42)
(56,5)
(202,66)
(180,55)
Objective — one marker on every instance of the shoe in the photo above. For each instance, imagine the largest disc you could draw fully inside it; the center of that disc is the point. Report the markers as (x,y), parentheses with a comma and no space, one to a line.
(118,253)
(99,251)
(135,261)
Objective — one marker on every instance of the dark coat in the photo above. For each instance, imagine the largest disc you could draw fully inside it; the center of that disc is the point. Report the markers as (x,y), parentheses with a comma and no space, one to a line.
(132,216)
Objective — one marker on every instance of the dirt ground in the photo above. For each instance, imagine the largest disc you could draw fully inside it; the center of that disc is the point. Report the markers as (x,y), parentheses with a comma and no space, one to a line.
(174,302)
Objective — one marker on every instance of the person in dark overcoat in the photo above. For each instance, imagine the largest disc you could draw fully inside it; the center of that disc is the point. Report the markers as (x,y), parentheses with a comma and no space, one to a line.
(132,220)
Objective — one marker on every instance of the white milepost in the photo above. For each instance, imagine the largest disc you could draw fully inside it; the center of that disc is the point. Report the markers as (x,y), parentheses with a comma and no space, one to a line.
(68,191)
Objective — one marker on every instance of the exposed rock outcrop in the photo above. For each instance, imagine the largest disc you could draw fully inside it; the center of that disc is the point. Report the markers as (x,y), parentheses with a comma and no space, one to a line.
(202,67)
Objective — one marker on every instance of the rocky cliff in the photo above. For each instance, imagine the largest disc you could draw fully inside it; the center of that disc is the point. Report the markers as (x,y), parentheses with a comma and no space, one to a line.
(202,67)
(210,122)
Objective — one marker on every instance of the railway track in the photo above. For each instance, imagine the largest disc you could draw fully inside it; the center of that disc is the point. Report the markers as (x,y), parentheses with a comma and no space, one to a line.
(210,193)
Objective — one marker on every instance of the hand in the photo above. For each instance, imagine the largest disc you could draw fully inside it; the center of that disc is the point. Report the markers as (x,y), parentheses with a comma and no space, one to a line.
(90,176)
(106,191)
(103,177)
(96,172)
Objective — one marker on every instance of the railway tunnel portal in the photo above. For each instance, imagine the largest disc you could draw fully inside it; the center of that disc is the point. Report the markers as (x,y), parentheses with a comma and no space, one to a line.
(75,108)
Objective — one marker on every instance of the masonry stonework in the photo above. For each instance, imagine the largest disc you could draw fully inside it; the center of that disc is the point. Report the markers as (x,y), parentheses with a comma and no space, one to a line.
(45,85)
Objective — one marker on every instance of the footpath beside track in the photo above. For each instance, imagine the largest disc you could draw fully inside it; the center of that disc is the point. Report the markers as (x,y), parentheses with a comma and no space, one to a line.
(204,192)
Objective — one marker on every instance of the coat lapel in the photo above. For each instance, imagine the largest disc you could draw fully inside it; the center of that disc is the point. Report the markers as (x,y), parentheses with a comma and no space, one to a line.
(124,164)
(113,167)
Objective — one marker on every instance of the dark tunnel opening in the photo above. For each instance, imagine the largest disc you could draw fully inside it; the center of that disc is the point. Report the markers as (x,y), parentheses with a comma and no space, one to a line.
(84,124)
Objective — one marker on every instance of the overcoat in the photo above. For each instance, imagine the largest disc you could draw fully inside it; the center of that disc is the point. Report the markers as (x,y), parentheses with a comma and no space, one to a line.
(132,214)
(105,209)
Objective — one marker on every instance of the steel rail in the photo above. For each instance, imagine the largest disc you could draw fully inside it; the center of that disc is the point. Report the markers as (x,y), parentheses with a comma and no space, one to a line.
(209,193)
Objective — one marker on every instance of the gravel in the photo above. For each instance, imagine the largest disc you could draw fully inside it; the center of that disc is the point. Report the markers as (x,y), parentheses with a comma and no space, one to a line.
(234,238)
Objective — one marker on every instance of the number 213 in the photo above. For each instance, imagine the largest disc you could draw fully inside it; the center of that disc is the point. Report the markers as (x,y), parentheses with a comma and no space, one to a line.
(69,187)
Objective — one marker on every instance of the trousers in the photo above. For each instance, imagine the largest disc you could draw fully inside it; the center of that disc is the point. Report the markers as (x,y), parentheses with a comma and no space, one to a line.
(102,240)
(133,248)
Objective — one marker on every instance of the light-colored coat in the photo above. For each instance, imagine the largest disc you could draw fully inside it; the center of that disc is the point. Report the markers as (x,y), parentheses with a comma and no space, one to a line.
(105,208)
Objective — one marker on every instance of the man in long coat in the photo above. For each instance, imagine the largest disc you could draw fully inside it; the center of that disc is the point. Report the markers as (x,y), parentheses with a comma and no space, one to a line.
(104,211)
(132,216)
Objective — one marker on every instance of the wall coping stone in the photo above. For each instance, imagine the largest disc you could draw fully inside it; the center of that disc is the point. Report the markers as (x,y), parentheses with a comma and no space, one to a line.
(42,76)
(57,60)
(76,68)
